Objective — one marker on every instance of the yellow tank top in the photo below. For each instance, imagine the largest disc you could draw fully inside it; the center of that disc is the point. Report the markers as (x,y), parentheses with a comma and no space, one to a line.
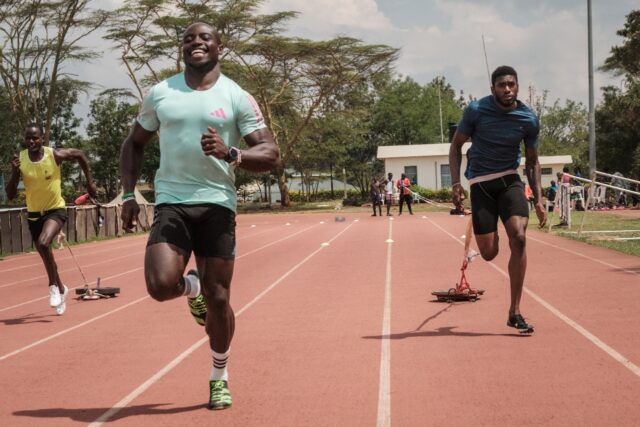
(41,182)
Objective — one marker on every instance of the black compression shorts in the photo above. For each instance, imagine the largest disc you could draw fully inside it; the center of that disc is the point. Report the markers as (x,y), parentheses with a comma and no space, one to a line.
(501,197)
(208,230)
(36,220)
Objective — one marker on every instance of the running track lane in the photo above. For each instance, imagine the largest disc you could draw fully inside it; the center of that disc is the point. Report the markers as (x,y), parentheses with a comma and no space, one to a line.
(564,369)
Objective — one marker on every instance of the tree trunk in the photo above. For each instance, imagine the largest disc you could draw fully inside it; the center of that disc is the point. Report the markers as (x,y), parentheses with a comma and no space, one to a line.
(285,201)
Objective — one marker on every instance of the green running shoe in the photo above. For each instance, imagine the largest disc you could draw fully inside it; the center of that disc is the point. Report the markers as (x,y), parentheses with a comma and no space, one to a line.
(220,396)
(197,305)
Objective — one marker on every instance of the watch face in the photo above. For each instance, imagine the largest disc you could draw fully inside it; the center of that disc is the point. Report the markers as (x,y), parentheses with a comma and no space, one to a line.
(233,153)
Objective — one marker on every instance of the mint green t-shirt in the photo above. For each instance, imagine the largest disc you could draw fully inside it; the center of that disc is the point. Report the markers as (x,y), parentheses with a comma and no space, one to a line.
(186,175)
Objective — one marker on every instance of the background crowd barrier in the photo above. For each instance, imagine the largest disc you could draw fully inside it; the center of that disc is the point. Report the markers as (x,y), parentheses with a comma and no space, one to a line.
(83,223)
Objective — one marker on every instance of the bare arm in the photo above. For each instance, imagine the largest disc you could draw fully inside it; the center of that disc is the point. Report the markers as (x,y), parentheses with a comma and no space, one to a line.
(533,171)
(11,187)
(132,155)
(65,154)
(261,156)
(263,153)
(455,160)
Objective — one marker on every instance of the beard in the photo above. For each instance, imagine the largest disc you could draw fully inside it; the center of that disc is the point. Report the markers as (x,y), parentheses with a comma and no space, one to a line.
(506,103)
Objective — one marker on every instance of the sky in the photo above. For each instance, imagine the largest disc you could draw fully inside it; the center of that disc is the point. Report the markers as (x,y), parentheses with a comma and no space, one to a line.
(544,40)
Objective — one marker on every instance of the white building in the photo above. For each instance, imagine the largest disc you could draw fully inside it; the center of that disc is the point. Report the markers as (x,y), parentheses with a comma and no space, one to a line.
(428,164)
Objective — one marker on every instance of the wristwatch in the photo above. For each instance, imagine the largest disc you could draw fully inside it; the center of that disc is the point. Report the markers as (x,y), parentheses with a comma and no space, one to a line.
(233,156)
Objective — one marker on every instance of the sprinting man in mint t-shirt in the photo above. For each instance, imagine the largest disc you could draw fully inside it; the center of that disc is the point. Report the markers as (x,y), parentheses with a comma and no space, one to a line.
(201,116)
(498,125)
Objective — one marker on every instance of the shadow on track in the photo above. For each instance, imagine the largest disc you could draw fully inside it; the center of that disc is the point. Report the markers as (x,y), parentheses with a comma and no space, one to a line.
(89,415)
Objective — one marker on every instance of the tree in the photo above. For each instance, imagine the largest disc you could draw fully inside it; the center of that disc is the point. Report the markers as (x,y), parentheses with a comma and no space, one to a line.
(625,59)
(39,38)
(110,116)
(564,130)
(618,117)
(407,113)
(289,77)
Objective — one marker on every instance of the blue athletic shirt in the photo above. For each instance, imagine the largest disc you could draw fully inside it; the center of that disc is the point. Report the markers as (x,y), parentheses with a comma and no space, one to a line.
(186,175)
(496,135)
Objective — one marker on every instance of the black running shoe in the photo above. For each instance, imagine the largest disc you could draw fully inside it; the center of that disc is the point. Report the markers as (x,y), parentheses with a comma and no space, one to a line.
(518,322)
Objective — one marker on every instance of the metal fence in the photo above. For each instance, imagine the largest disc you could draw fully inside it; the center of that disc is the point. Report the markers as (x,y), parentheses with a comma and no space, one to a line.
(83,223)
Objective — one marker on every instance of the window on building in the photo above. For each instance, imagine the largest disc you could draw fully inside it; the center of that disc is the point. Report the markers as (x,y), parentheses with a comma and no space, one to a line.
(546,171)
(445,176)
(412,173)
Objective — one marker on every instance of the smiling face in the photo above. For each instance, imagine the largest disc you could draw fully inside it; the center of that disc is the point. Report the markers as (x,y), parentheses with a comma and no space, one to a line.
(505,91)
(33,139)
(201,46)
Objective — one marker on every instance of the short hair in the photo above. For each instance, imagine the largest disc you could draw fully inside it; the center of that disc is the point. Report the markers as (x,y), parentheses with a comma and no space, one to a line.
(34,125)
(503,70)
(553,183)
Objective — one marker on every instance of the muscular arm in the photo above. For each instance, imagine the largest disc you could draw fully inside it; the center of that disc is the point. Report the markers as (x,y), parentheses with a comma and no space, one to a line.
(65,154)
(11,187)
(455,160)
(131,156)
(533,171)
(263,154)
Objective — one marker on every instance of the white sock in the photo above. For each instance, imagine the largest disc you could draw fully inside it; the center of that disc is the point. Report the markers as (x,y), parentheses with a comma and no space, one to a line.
(219,369)
(191,286)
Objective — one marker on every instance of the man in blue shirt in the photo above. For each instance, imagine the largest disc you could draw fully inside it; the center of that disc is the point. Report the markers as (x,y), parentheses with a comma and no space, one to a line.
(201,116)
(497,125)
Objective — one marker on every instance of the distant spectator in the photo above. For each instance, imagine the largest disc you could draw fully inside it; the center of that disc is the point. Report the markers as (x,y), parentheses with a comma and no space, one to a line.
(551,195)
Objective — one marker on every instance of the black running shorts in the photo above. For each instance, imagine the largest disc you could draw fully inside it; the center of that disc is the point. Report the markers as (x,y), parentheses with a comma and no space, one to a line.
(208,230)
(36,220)
(503,197)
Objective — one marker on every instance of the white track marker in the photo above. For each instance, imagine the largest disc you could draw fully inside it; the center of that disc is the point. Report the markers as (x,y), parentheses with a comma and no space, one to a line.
(384,388)
(253,226)
(175,362)
(581,330)
(324,244)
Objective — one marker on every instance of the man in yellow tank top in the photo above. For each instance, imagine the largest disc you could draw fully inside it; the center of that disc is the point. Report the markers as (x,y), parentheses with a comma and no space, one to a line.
(40,170)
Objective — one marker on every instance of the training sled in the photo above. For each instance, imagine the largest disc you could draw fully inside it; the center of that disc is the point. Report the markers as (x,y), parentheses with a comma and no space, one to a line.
(88,293)
(463,291)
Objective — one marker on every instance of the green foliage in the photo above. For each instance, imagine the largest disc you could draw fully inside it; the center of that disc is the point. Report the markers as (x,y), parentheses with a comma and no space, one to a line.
(407,113)
(618,117)
(39,38)
(625,59)
(618,131)
(564,130)
(110,118)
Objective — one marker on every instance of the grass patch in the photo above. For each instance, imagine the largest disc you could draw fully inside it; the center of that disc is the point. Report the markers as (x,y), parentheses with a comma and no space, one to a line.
(599,221)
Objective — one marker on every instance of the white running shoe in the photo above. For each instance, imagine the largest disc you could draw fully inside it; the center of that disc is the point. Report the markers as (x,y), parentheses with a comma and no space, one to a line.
(54,296)
(471,255)
(62,307)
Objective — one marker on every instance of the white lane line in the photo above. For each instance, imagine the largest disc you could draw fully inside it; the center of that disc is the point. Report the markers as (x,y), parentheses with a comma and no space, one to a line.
(139,268)
(73,328)
(43,340)
(278,241)
(175,362)
(74,268)
(384,388)
(615,355)
(636,273)
(65,256)
(71,289)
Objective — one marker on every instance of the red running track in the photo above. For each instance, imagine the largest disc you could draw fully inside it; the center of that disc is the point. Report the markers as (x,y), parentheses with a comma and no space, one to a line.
(335,327)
